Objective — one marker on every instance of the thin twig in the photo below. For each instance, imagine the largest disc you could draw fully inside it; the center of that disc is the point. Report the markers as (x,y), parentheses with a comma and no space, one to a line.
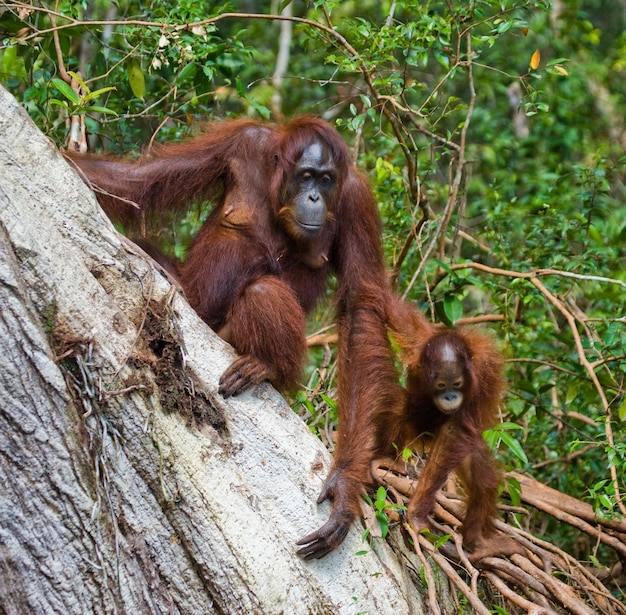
(439,234)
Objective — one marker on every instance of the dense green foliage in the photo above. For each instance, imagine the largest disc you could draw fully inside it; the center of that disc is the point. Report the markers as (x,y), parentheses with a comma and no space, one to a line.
(499,170)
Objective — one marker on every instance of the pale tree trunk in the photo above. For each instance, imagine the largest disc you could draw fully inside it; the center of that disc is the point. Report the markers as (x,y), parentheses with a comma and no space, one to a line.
(127,484)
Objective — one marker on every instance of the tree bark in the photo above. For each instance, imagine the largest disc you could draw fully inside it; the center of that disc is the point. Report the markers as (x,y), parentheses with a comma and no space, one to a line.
(128,484)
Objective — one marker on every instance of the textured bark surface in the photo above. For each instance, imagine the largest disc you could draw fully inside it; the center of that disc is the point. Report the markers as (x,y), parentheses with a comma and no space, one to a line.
(128,485)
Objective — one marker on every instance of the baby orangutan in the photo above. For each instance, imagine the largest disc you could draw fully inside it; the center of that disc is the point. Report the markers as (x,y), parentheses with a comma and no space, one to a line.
(453,390)
(454,387)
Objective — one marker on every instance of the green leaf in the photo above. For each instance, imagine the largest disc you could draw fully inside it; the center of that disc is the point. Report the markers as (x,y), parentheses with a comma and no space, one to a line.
(442,58)
(95,94)
(594,560)
(262,110)
(429,535)
(621,412)
(452,308)
(446,268)
(514,489)
(571,394)
(383,522)
(78,78)
(136,79)
(98,109)
(66,90)
(329,400)
(11,63)
(599,485)
(491,437)
(60,103)
(514,446)
(605,501)
(188,71)
(241,88)
(507,425)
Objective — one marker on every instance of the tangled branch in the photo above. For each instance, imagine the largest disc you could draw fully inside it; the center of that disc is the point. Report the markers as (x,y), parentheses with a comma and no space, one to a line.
(570,318)
(545,580)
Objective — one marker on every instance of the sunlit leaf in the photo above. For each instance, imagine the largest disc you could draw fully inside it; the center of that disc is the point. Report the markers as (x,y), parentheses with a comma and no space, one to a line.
(507,425)
(594,560)
(535,59)
(97,93)
(11,63)
(79,79)
(442,540)
(605,500)
(572,394)
(98,109)
(262,110)
(329,400)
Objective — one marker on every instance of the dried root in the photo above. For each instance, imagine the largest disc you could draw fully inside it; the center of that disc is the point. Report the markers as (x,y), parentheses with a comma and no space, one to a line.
(534,576)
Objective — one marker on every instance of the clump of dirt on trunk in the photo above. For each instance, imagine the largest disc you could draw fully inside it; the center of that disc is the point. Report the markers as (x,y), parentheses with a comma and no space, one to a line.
(176,389)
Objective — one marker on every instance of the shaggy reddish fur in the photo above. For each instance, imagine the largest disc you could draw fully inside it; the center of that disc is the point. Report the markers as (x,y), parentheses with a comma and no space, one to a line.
(410,416)
(457,442)
(251,281)
(245,274)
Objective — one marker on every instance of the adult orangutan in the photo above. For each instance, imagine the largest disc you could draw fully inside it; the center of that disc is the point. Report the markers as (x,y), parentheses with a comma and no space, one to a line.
(454,386)
(290,207)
